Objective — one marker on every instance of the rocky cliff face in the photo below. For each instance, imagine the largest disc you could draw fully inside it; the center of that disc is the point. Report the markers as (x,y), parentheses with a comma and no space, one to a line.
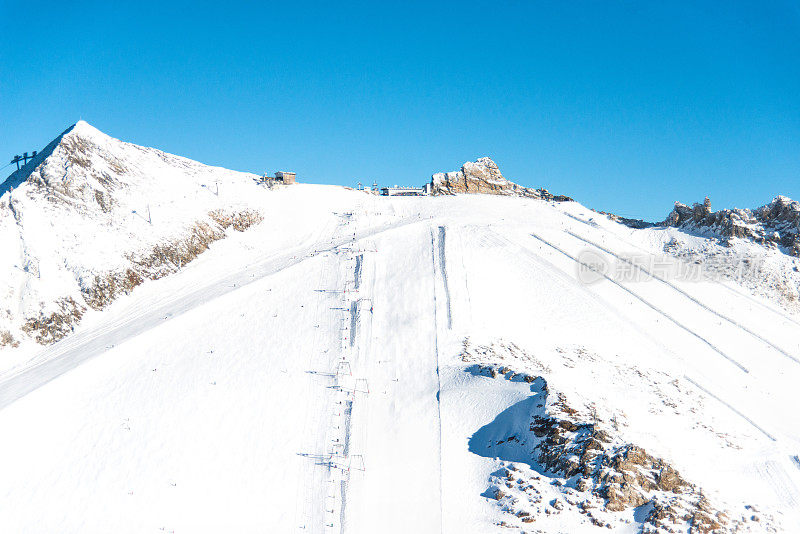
(777,223)
(483,176)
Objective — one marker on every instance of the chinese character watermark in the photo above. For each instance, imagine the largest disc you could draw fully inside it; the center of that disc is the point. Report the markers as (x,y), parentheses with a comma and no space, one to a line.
(593,266)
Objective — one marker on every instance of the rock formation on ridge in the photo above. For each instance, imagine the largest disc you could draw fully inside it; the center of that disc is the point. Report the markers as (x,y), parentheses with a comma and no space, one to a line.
(483,176)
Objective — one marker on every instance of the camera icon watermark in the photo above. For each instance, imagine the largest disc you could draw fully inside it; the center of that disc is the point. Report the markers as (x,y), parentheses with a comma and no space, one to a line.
(592,267)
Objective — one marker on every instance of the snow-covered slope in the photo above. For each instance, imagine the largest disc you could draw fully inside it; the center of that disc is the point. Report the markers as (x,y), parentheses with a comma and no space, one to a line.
(92,217)
(464,363)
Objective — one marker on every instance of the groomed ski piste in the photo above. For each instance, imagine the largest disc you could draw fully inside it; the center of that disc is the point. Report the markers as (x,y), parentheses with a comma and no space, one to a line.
(377,367)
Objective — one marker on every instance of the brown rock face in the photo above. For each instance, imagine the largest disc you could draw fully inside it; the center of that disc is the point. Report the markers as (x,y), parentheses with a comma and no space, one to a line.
(621,497)
(483,176)
(776,223)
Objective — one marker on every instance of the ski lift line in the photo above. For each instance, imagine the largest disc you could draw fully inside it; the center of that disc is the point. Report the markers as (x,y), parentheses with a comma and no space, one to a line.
(688,296)
(646,303)
(315,358)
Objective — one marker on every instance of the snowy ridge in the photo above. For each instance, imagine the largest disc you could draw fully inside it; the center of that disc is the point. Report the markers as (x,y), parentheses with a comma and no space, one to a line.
(91,217)
(776,223)
(359,364)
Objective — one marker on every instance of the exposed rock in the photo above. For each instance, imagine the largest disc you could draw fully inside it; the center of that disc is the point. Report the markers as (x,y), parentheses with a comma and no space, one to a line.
(240,221)
(669,480)
(483,176)
(102,290)
(6,339)
(596,472)
(621,497)
(776,223)
(89,185)
(49,328)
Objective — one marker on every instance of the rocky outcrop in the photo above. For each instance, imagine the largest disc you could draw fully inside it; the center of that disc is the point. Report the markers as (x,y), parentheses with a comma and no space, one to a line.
(50,327)
(7,340)
(776,223)
(483,176)
(563,460)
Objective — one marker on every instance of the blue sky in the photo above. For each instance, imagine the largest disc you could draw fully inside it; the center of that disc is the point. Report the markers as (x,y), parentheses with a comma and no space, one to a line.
(626,106)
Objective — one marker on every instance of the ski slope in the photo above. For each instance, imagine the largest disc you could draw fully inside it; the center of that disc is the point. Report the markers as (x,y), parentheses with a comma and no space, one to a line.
(314,383)
(349,363)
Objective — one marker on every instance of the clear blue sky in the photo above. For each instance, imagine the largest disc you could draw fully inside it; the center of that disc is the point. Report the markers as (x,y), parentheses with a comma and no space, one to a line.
(626,106)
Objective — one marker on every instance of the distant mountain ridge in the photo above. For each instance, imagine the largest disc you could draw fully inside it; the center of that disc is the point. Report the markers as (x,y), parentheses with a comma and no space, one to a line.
(92,217)
(774,224)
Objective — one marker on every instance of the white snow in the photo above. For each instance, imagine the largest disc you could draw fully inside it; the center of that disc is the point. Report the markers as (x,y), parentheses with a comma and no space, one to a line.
(236,396)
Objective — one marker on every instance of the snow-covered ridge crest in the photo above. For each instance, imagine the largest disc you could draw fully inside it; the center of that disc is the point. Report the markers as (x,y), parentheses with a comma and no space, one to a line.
(19,176)
(91,217)
(775,224)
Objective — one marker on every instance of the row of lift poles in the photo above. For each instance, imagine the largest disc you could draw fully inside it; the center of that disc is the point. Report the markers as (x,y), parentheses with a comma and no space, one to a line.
(23,158)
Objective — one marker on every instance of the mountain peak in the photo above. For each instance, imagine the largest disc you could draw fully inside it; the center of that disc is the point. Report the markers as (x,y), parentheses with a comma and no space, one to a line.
(80,130)
(84,129)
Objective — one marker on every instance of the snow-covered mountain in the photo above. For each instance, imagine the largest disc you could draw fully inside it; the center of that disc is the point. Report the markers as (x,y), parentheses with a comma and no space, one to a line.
(92,217)
(347,362)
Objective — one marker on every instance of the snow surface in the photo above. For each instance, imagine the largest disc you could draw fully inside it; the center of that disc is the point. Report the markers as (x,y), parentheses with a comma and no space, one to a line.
(305,375)
(89,204)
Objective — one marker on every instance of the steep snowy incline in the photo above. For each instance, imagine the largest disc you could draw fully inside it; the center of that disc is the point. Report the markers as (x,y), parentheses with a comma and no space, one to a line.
(91,217)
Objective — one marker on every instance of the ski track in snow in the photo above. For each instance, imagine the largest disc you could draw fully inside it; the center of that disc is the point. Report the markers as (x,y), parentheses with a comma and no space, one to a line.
(502,240)
(646,303)
(443,263)
(731,407)
(271,429)
(567,284)
(74,350)
(357,276)
(723,285)
(436,351)
(688,296)
(591,224)
(780,482)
